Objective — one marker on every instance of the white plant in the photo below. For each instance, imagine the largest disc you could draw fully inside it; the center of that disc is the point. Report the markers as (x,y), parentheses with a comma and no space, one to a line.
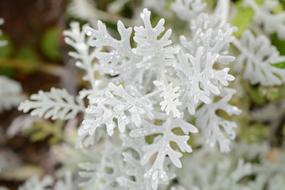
(35,184)
(270,172)
(133,177)
(158,6)
(214,34)
(148,94)
(170,95)
(187,10)
(83,9)
(200,80)
(144,90)
(56,104)
(154,45)
(161,147)
(207,170)
(104,172)
(200,55)
(10,93)
(215,128)
(83,53)
(256,60)
(119,59)
(265,17)
(115,107)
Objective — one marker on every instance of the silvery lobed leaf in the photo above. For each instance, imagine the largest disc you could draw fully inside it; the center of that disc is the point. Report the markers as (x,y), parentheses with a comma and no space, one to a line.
(265,17)
(256,60)
(216,129)
(160,149)
(115,107)
(170,96)
(83,53)
(56,104)
(187,10)
(199,79)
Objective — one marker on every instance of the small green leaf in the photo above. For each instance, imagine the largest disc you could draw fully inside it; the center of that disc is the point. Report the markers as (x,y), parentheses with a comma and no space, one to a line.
(278,43)
(279,65)
(7,50)
(50,43)
(242,19)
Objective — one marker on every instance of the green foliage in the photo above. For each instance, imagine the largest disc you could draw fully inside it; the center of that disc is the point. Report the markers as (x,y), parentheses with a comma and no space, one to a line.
(253,133)
(260,95)
(242,19)
(280,45)
(43,130)
(7,72)
(256,94)
(273,94)
(280,65)
(211,3)
(50,43)
(27,53)
(7,50)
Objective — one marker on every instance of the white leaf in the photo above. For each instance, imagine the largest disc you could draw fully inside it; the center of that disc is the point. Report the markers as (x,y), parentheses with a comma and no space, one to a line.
(83,53)
(265,17)
(56,104)
(35,184)
(170,97)
(187,10)
(199,79)
(154,44)
(103,172)
(212,34)
(256,60)
(115,107)
(160,149)
(216,129)
(10,93)
(209,170)
(116,57)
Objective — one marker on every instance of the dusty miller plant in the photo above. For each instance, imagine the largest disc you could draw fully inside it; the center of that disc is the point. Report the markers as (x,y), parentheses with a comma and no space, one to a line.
(148,94)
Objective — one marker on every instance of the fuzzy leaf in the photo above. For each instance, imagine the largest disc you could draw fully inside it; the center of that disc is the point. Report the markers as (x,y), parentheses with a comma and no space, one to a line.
(256,60)
(56,104)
